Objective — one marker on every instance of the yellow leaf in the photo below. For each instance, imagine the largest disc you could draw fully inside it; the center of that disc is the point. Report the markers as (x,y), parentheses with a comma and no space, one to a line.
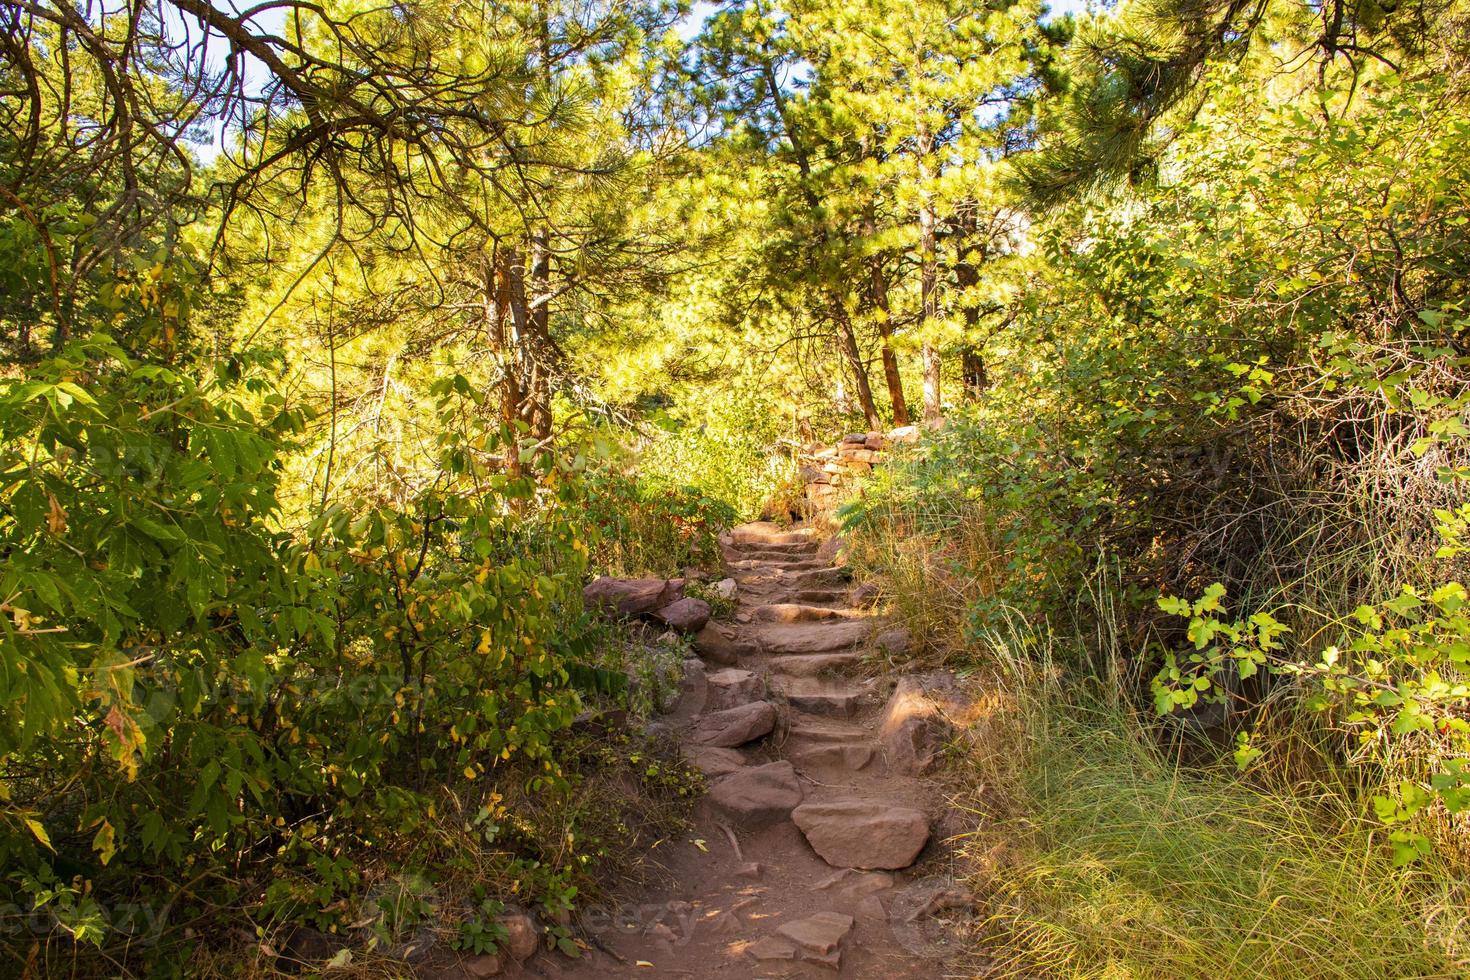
(105,843)
(40,833)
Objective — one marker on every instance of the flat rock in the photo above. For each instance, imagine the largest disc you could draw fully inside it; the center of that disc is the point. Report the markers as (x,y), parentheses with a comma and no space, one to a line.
(821,933)
(813,664)
(784,638)
(719,645)
(863,833)
(819,697)
(715,762)
(814,729)
(631,597)
(772,948)
(733,686)
(836,756)
(791,612)
(759,795)
(736,726)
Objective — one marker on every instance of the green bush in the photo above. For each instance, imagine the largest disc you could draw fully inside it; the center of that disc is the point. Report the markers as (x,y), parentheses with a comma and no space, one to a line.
(194,693)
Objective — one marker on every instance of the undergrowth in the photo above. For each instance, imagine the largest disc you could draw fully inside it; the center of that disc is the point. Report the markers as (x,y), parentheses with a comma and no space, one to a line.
(1118,861)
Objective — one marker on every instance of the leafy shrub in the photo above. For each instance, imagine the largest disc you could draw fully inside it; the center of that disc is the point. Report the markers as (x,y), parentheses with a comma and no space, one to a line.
(643,528)
(193,691)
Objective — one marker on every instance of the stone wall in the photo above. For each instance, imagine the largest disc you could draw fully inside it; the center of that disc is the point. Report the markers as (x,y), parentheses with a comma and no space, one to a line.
(831,471)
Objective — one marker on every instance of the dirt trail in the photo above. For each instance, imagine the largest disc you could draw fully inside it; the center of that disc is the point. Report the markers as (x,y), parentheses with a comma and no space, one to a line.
(814,853)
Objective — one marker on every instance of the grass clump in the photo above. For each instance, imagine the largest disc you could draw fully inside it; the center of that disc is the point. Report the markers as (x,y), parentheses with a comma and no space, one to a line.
(1116,861)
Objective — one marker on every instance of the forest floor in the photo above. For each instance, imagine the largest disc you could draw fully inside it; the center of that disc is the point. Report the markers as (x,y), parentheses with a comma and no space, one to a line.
(819,849)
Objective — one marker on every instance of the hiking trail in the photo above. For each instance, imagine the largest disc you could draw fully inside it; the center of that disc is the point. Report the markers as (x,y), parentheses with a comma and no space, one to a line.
(815,852)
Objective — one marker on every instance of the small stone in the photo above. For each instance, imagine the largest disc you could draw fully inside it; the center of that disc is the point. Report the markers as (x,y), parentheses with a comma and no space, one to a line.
(687,615)
(863,595)
(864,885)
(750,869)
(894,642)
(484,965)
(736,726)
(820,934)
(725,588)
(521,939)
(871,909)
(855,439)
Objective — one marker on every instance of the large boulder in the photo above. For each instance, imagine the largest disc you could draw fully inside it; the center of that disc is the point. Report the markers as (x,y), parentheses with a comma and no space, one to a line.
(914,730)
(632,597)
(863,833)
(736,726)
(757,796)
(687,615)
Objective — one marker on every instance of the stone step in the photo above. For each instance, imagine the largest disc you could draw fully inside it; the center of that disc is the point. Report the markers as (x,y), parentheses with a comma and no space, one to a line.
(736,726)
(745,566)
(757,796)
(809,728)
(786,638)
(794,612)
(766,532)
(834,755)
(868,834)
(816,696)
(731,687)
(814,664)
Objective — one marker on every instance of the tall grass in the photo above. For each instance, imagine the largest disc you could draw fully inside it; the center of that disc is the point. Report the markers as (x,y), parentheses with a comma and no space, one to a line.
(1105,857)
(1115,847)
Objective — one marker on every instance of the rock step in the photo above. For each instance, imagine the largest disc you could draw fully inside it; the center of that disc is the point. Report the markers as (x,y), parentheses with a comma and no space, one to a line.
(768,565)
(820,697)
(757,796)
(867,834)
(794,612)
(834,755)
(806,546)
(765,532)
(786,638)
(824,577)
(732,687)
(736,726)
(809,728)
(815,664)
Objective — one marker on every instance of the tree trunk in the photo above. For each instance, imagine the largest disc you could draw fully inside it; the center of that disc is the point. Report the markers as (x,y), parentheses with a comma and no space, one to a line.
(878,291)
(854,356)
(496,291)
(972,364)
(928,282)
(539,350)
